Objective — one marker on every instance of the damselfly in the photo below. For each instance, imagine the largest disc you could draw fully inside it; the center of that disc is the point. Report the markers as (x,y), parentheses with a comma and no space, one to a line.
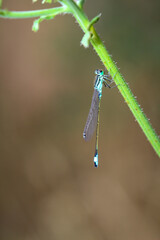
(94,112)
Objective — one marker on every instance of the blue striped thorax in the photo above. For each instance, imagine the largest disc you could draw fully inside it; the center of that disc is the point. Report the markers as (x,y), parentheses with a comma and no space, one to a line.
(99,81)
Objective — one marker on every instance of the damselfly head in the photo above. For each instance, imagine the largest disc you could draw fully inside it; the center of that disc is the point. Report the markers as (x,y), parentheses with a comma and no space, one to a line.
(99,72)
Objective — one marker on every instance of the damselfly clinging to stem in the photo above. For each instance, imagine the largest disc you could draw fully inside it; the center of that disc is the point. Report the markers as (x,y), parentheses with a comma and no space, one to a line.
(93,116)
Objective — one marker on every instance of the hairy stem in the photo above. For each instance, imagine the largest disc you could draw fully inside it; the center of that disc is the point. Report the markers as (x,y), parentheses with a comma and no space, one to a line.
(76,9)
(119,80)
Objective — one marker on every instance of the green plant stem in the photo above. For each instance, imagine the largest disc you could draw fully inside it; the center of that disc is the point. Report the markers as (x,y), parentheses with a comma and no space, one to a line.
(69,6)
(32,14)
(118,79)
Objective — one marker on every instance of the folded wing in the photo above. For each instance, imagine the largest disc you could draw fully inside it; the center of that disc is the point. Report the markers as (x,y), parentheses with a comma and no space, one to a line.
(92,117)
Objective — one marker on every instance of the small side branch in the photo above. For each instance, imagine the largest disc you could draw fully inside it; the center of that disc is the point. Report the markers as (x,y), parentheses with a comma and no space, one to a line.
(32,14)
(80,3)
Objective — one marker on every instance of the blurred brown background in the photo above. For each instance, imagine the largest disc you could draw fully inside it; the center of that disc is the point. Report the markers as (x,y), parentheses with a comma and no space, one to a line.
(49,187)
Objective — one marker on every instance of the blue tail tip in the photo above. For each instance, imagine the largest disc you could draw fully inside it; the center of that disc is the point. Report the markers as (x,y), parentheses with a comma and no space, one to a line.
(95,165)
(96,160)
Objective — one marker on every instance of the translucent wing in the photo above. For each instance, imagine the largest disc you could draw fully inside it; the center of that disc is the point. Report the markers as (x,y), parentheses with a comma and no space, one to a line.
(92,117)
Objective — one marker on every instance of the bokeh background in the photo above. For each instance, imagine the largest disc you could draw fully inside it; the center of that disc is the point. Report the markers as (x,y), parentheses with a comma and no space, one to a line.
(49,187)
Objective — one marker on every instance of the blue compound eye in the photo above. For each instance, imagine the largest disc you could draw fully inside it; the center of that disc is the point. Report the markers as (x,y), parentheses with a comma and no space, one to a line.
(99,72)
